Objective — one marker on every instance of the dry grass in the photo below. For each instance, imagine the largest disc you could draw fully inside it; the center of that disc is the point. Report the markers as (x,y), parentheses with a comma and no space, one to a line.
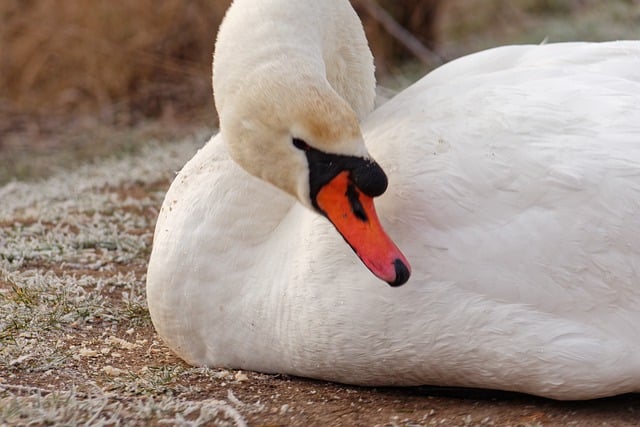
(153,58)
(76,76)
(79,56)
(75,56)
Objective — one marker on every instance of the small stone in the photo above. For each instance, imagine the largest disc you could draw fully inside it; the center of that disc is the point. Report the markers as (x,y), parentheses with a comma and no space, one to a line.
(87,352)
(111,371)
(120,343)
(241,377)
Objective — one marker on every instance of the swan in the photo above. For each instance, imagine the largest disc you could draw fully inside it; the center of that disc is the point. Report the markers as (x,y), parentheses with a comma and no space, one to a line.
(499,196)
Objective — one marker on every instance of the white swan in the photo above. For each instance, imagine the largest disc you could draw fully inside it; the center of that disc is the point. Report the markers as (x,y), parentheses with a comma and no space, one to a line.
(514,191)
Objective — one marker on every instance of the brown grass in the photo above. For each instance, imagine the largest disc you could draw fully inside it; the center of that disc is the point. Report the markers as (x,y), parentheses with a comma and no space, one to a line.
(150,58)
(75,56)
(146,56)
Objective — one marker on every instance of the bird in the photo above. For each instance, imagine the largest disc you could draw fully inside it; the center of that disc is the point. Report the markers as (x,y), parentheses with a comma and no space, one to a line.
(498,197)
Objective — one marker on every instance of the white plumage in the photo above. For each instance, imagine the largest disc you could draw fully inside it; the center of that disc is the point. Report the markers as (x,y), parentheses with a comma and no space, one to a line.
(514,191)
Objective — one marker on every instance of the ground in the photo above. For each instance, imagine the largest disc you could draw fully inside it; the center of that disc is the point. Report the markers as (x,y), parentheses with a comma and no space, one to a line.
(77,346)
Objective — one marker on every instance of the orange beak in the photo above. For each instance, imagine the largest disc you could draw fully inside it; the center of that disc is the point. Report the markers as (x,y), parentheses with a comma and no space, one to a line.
(354,216)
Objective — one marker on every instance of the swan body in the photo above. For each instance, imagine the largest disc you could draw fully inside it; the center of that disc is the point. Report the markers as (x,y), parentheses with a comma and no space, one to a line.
(514,192)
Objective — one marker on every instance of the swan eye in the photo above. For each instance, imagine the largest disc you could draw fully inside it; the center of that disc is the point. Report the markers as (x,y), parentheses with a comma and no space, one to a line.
(300,144)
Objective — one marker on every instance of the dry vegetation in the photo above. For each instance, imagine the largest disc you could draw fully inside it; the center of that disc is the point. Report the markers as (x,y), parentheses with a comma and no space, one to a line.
(78,57)
(69,57)
(81,57)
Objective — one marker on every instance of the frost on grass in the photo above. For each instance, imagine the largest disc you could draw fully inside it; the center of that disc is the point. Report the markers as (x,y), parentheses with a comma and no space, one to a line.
(20,406)
(73,248)
(76,342)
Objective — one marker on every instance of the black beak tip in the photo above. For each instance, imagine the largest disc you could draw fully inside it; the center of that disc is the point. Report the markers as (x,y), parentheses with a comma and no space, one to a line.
(402,274)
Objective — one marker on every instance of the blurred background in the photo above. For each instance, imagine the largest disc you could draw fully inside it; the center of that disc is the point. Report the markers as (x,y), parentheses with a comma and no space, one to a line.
(81,79)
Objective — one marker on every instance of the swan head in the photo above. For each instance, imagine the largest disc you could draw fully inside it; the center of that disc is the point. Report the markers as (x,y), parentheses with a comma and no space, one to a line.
(291,81)
(305,139)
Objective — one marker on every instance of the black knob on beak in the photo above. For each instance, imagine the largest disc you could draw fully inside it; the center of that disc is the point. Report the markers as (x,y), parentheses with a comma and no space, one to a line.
(370,178)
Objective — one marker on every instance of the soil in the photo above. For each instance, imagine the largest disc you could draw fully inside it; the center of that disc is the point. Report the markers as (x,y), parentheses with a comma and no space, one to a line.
(275,400)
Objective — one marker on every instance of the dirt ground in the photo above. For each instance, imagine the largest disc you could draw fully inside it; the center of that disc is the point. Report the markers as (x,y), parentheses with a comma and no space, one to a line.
(267,400)
(77,346)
